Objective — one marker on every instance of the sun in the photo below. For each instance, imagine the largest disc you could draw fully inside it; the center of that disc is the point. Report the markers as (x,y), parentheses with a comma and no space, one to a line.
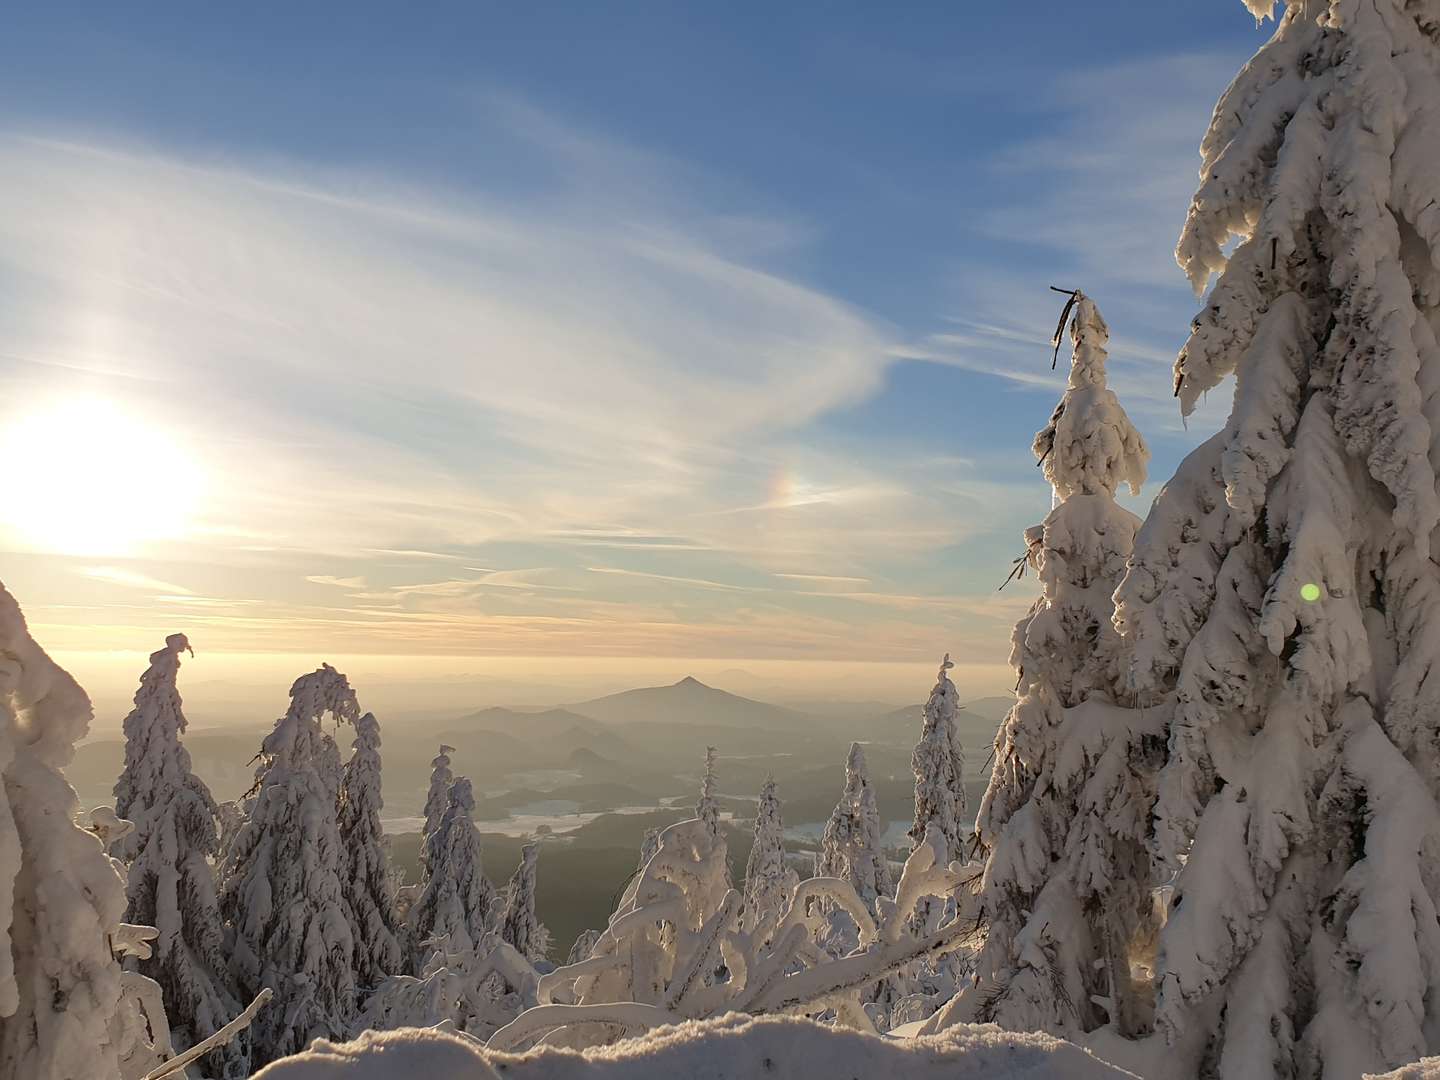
(86,477)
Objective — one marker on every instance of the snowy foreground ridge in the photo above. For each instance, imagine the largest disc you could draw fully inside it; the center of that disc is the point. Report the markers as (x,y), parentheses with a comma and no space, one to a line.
(733,1047)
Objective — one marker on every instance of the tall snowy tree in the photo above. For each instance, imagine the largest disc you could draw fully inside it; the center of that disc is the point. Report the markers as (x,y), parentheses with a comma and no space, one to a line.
(170,883)
(458,905)
(707,808)
(769,880)
(365,884)
(939,764)
(280,884)
(850,848)
(1283,589)
(436,800)
(518,925)
(61,899)
(1064,817)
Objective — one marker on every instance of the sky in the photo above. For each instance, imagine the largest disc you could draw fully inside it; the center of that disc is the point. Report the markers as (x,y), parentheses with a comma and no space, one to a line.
(567,345)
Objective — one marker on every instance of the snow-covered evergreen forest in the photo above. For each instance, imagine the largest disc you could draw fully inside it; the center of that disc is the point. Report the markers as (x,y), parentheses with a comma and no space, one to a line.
(1209,842)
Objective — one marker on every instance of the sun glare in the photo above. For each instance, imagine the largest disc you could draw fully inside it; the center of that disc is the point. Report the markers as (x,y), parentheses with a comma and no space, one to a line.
(88,478)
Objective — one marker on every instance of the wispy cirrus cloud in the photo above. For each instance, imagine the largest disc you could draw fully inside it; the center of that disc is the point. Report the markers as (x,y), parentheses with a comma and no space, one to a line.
(452,405)
(130,579)
(1104,196)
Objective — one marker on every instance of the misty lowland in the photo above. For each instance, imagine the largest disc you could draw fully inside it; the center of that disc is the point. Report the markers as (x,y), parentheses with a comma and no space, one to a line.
(594,777)
(744,541)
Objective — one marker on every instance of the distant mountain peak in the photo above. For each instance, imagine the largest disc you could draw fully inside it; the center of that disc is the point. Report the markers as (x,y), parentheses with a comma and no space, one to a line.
(687,701)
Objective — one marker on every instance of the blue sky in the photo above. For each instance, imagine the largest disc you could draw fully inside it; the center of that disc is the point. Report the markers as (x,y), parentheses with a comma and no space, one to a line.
(644,330)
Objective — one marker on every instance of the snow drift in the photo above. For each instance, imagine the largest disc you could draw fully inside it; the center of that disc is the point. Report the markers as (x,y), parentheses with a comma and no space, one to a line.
(730,1048)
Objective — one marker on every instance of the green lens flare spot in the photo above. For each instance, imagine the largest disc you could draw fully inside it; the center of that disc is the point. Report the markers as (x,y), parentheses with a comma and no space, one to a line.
(1310,592)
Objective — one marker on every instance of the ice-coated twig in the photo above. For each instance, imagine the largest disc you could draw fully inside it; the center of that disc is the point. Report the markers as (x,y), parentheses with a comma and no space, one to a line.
(214,1042)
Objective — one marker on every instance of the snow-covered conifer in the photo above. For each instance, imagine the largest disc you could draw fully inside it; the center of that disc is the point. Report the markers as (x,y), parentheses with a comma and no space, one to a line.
(582,946)
(229,816)
(707,808)
(458,905)
(850,848)
(61,899)
(518,925)
(436,800)
(170,883)
(769,880)
(1064,817)
(280,885)
(649,844)
(939,763)
(365,883)
(1283,588)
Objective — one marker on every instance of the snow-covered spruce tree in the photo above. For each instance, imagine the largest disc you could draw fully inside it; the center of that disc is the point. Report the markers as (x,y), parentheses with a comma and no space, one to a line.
(769,880)
(582,946)
(170,883)
(850,848)
(365,882)
(61,899)
(280,884)
(707,808)
(436,800)
(939,764)
(458,905)
(1064,817)
(229,816)
(1284,588)
(518,925)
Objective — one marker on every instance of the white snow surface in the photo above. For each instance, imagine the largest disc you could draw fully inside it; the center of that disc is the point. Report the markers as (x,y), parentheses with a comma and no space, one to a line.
(729,1048)
(1424,1069)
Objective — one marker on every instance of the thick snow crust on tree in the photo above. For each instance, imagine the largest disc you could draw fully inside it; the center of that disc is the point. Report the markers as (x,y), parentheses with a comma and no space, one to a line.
(1282,589)
(170,883)
(728,1048)
(458,904)
(850,847)
(707,809)
(474,992)
(769,879)
(939,764)
(1064,817)
(366,882)
(61,898)
(518,924)
(280,884)
(675,948)
(436,800)
(1087,451)
(1090,447)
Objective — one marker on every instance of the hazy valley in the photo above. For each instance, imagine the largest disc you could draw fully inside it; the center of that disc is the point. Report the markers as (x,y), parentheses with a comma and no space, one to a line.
(593,776)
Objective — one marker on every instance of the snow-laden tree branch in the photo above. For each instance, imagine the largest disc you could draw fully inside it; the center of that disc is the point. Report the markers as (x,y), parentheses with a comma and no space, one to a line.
(211,1043)
(675,948)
